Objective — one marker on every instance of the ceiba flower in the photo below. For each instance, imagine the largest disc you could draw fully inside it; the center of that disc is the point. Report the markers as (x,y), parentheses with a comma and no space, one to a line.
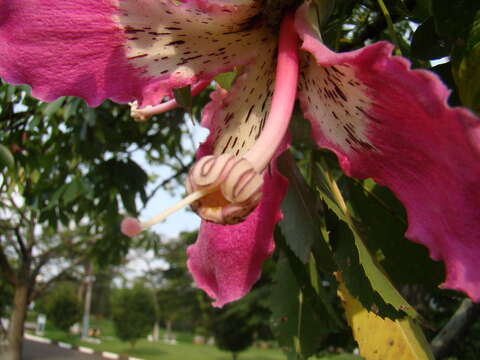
(382,119)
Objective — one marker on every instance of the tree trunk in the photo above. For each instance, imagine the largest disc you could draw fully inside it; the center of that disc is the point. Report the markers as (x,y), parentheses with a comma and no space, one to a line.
(156,332)
(168,332)
(17,321)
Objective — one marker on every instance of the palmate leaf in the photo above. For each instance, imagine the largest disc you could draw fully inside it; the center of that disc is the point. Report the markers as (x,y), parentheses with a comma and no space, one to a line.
(383,339)
(389,302)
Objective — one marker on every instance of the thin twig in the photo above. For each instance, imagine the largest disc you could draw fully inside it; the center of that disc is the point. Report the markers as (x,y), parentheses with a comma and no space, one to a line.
(457,326)
(181,171)
(391,29)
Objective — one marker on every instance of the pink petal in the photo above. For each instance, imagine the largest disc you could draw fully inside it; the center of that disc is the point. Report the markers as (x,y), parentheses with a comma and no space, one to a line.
(226,260)
(66,48)
(96,50)
(216,7)
(393,124)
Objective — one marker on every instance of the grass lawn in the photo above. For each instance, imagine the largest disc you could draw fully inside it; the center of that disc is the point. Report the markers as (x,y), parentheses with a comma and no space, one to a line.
(153,351)
(185,349)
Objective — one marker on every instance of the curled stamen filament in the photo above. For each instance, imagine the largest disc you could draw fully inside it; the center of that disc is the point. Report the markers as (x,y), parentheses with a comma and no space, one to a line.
(283,100)
(132,227)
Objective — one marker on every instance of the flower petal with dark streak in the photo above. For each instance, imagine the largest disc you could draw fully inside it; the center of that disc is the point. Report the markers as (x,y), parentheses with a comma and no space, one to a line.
(393,124)
(127,50)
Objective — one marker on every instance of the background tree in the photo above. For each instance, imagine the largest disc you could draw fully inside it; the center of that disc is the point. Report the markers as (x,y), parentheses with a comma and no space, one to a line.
(68,173)
(132,311)
(233,332)
(62,307)
(74,165)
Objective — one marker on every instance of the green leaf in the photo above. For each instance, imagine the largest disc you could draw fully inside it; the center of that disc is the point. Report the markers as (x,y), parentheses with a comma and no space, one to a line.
(226,80)
(301,225)
(427,45)
(341,357)
(454,18)
(351,249)
(53,107)
(354,274)
(445,71)
(6,157)
(421,11)
(183,97)
(383,225)
(466,67)
(71,107)
(300,321)
(72,190)
(55,197)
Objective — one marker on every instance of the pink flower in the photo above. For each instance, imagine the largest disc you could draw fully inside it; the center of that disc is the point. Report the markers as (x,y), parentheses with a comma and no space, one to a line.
(382,119)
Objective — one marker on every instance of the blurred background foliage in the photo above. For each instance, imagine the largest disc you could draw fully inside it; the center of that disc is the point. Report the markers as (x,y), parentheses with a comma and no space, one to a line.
(69,173)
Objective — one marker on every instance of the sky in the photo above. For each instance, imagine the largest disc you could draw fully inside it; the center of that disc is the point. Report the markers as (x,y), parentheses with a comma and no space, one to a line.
(183,220)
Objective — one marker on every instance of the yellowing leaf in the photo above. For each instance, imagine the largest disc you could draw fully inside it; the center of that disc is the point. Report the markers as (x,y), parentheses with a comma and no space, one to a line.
(383,339)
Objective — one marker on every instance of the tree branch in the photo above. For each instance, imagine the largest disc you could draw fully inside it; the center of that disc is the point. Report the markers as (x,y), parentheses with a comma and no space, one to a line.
(181,171)
(37,291)
(21,243)
(6,269)
(464,317)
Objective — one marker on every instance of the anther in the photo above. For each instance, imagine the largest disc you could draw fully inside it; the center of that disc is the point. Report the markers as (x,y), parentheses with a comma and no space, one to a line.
(236,188)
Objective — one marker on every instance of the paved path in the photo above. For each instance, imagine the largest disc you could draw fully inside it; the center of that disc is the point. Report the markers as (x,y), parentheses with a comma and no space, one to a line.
(38,351)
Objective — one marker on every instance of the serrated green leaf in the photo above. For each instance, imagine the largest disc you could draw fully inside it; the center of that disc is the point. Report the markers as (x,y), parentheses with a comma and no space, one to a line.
(6,157)
(301,314)
(353,273)
(383,225)
(297,328)
(301,225)
(350,237)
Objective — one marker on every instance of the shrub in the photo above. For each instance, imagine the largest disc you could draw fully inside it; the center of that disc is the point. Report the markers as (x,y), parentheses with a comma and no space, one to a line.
(133,314)
(233,333)
(63,308)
